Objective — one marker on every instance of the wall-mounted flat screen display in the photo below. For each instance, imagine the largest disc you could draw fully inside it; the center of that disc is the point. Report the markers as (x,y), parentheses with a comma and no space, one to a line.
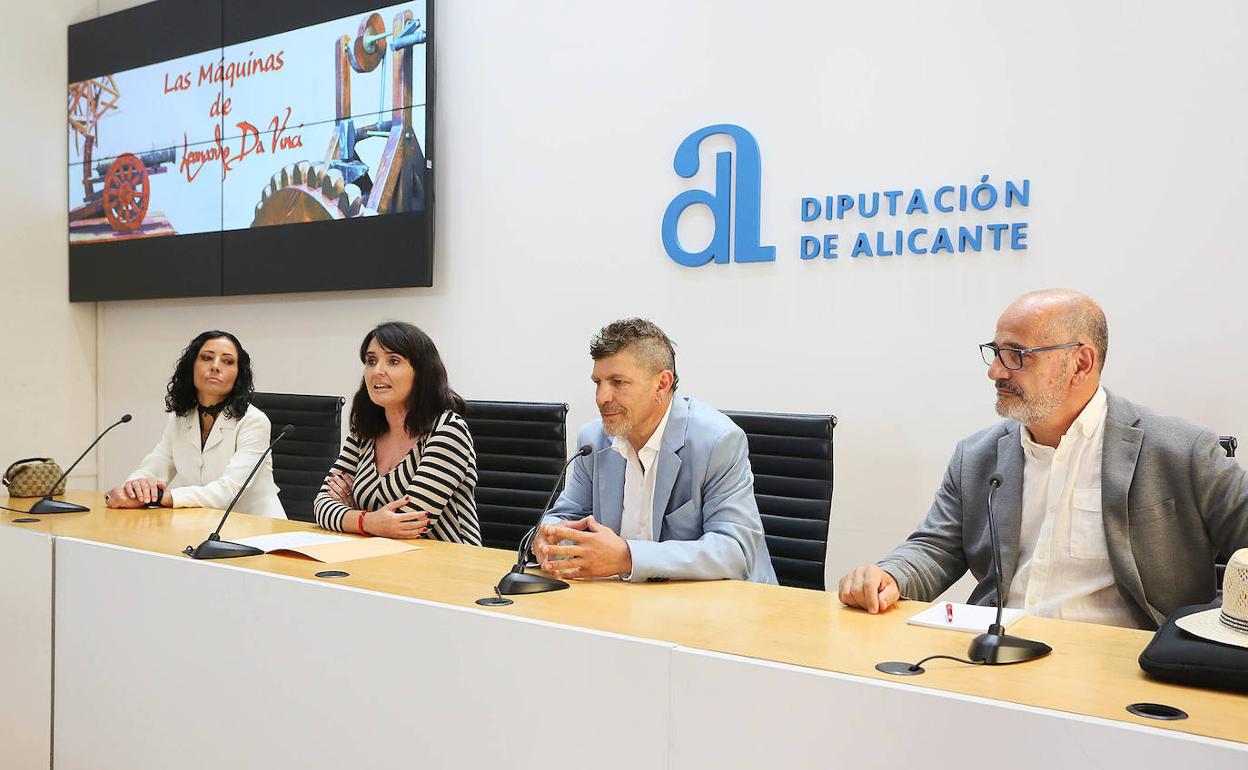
(229,147)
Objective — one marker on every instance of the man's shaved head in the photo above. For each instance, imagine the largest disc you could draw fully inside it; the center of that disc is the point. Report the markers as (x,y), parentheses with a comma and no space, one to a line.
(1066,315)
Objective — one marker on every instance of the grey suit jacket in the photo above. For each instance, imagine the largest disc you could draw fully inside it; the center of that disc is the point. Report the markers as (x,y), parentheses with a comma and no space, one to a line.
(705,514)
(1170,499)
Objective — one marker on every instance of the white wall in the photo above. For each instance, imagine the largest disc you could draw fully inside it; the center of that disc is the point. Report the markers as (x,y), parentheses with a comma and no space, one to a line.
(47,383)
(557,122)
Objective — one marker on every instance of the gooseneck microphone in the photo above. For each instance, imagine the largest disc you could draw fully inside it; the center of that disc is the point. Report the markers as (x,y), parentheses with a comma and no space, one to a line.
(517,581)
(995,647)
(216,548)
(47,505)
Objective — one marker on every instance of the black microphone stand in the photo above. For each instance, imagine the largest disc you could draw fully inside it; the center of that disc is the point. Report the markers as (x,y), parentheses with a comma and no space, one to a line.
(47,505)
(518,581)
(995,647)
(216,548)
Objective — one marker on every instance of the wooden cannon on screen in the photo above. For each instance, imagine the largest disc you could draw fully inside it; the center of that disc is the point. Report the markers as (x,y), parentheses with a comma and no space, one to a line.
(125,192)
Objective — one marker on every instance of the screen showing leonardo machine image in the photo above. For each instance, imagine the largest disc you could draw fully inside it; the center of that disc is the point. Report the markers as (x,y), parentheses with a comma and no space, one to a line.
(293,155)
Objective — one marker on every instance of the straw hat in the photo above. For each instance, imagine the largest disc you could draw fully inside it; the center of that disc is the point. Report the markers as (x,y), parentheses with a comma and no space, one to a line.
(1228,625)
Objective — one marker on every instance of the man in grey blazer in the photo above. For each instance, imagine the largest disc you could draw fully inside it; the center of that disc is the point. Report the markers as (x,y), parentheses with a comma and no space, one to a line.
(667,493)
(1108,513)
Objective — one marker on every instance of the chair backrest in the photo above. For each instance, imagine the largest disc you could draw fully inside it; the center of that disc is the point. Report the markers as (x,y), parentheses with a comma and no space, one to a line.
(791,456)
(521,447)
(301,460)
(1230,444)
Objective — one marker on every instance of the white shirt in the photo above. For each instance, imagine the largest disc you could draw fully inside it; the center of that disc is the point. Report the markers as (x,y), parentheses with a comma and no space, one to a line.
(639,475)
(1063,561)
(210,476)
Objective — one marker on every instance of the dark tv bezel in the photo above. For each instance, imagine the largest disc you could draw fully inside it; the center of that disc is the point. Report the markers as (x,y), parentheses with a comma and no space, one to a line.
(383,252)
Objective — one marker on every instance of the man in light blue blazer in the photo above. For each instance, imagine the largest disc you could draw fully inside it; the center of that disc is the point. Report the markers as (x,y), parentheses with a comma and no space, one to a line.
(667,492)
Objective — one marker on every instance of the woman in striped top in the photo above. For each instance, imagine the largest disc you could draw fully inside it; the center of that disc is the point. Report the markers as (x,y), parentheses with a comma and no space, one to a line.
(408,468)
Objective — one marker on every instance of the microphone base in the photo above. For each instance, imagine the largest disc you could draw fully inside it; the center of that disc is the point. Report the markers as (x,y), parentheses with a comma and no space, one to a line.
(1001,649)
(48,505)
(216,548)
(523,583)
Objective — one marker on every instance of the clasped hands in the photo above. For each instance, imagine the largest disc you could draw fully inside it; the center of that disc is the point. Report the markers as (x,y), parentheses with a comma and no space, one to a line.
(594,550)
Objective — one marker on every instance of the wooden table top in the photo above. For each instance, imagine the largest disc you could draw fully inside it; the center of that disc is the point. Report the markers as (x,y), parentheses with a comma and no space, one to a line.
(1092,671)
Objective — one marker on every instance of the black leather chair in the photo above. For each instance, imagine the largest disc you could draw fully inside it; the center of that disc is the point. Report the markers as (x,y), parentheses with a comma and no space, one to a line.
(521,447)
(791,456)
(301,460)
(1230,444)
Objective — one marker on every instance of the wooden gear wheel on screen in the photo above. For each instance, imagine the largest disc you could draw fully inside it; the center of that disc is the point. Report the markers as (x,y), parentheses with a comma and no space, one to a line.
(309,192)
(126,193)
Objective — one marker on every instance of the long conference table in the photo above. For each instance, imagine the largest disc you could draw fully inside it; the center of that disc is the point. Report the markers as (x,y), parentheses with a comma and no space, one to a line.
(116,651)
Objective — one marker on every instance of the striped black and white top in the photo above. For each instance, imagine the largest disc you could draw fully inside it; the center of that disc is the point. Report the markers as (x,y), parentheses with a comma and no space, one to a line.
(439,474)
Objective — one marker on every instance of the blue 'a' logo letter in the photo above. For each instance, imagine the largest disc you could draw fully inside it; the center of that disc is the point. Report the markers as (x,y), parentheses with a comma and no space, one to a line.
(745,236)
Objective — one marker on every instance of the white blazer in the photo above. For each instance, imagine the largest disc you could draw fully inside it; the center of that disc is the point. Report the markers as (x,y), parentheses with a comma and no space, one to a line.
(209,478)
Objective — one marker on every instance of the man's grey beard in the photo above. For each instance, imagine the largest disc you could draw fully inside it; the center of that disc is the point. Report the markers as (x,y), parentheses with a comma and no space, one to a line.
(621,428)
(1029,409)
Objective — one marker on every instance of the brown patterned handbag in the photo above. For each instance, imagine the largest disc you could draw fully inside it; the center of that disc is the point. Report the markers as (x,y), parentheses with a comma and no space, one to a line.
(32,477)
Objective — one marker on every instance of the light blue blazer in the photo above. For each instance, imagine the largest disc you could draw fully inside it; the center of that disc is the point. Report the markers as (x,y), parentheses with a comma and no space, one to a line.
(704,510)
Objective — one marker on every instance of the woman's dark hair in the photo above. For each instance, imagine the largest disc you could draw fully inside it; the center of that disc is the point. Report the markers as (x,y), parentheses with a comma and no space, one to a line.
(182,396)
(431,393)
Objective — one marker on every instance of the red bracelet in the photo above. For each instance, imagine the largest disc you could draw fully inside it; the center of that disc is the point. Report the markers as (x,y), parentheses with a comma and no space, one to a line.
(360,523)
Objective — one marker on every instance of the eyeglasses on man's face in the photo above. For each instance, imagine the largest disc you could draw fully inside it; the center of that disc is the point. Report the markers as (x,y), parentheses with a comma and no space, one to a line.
(1012,358)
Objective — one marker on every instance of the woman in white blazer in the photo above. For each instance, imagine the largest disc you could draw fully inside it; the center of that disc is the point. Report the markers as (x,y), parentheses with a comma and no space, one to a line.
(212,439)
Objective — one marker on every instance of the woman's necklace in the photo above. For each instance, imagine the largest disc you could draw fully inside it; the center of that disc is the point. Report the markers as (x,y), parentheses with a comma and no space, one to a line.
(207,418)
